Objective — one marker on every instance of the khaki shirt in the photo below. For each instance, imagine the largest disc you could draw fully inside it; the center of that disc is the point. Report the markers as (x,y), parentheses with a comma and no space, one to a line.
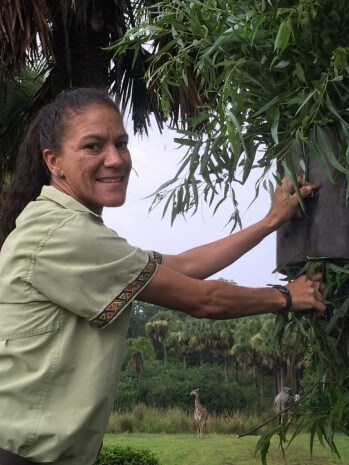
(66,284)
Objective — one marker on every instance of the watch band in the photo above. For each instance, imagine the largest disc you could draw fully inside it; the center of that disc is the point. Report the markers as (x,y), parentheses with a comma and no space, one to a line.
(286,293)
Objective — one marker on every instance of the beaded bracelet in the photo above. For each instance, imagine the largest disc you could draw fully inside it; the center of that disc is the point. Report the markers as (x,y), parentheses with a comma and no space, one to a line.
(286,293)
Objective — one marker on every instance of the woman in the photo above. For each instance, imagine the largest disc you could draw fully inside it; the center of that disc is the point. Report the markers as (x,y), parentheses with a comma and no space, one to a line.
(67,281)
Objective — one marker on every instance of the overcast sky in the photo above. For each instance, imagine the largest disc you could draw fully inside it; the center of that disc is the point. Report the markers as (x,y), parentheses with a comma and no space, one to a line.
(155,160)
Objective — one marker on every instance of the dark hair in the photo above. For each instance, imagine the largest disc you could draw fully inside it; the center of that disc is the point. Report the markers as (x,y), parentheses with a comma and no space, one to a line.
(45,132)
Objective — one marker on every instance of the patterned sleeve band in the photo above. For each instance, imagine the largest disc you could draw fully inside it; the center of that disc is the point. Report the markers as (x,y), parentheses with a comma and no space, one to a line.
(156,256)
(127,295)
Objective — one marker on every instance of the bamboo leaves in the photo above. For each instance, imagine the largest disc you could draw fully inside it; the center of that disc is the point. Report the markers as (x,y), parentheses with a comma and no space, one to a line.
(283,35)
(242,78)
(327,412)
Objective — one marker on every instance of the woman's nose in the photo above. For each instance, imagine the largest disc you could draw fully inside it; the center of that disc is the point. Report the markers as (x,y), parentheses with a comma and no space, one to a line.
(113,157)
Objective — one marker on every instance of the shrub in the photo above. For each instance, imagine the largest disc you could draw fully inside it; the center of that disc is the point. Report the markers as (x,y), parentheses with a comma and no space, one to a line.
(126,423)
(151,420)
(170,387)
(117,455)
(176,421)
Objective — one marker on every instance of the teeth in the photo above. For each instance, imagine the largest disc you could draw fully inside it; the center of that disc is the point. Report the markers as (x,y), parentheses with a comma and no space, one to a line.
(110,180)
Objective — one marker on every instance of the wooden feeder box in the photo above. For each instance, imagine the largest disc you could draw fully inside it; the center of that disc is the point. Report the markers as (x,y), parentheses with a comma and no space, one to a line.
(323,230)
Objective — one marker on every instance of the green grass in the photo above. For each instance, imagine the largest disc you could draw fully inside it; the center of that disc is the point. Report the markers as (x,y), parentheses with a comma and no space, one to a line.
(219,449)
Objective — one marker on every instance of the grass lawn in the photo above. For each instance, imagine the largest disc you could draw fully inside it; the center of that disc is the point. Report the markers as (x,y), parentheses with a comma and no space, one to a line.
(214,449)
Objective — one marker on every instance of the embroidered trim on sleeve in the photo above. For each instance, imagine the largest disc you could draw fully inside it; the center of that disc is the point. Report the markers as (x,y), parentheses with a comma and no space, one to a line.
(157,257)
(126,296)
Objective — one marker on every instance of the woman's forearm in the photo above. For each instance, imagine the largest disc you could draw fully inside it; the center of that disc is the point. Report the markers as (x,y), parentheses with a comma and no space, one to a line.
(217,299)
(206,260)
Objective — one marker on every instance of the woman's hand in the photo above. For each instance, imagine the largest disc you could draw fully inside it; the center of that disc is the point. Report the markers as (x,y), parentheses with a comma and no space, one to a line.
(286,201)
(307,294)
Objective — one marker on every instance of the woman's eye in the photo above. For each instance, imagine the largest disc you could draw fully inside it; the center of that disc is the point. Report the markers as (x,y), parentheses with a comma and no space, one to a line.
(93,147)
(122,144)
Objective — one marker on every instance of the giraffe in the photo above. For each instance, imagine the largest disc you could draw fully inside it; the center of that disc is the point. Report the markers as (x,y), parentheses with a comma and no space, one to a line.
(283,400)
(200,414)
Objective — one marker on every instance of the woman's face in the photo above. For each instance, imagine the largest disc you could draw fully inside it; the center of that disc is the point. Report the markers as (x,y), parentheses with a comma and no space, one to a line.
(94,163)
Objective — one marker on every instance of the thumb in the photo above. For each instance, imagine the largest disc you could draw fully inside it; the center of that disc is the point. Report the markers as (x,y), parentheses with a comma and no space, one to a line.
(307,190)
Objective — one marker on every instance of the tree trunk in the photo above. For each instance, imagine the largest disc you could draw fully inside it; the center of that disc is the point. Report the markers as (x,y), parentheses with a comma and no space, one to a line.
(80,60)
(255,376)
(225,368)
(201,359)
(165,352)
(280,371)
(261,386)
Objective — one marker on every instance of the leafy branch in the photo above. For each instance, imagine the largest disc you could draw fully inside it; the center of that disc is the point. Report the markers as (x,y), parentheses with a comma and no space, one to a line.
(326,411)
(242,82)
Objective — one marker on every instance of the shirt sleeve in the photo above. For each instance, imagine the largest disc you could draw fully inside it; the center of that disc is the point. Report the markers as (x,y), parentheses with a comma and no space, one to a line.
(86,268)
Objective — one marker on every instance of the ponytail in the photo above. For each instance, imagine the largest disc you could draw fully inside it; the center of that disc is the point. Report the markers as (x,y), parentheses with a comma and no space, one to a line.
(29,177)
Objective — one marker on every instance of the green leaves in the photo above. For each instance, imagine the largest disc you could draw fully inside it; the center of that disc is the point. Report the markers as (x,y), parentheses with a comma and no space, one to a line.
(245,80)
(283,35)
(326,413)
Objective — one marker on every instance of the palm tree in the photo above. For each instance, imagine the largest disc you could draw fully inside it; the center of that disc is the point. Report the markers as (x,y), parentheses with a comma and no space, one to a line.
(138,350)
(198,330)
(16,96)
(179,342)
(141,313)
(285,358)
(70,39)
(157,331)
(220,340)
(242,350)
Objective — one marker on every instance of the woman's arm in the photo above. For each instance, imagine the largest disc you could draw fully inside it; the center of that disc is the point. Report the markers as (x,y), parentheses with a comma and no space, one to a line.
(203,261)
(217,299)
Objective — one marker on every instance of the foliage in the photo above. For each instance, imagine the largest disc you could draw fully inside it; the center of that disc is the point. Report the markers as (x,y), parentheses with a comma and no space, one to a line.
(141,313)
(143,419)
(117,455)
(67,39)
(138,350)
(16,96)
(171,386)
(325,407)
(252,76)
(262,82)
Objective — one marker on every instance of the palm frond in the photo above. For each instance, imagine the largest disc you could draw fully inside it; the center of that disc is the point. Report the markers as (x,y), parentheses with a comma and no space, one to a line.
(24,34)
(17,96)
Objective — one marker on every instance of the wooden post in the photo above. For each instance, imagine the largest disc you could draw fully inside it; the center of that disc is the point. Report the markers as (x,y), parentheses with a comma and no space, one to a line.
(323,231)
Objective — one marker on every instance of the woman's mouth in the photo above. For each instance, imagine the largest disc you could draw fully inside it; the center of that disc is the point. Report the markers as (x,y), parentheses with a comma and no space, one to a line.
(111,180)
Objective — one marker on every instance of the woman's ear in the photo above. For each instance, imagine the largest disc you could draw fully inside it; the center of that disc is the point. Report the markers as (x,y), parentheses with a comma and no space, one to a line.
(52,162)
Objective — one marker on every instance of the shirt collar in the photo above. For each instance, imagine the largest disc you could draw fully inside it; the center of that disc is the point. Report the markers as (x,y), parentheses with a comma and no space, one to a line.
(67,201)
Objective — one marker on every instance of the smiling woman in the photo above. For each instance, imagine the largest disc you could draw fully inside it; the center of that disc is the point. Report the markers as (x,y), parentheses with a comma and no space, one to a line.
(65,276)
(93,164)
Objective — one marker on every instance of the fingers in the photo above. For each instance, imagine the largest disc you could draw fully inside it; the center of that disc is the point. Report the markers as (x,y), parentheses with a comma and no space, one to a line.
(318,287)
(307,294)
(316,277)
(306,188)
(286,202)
